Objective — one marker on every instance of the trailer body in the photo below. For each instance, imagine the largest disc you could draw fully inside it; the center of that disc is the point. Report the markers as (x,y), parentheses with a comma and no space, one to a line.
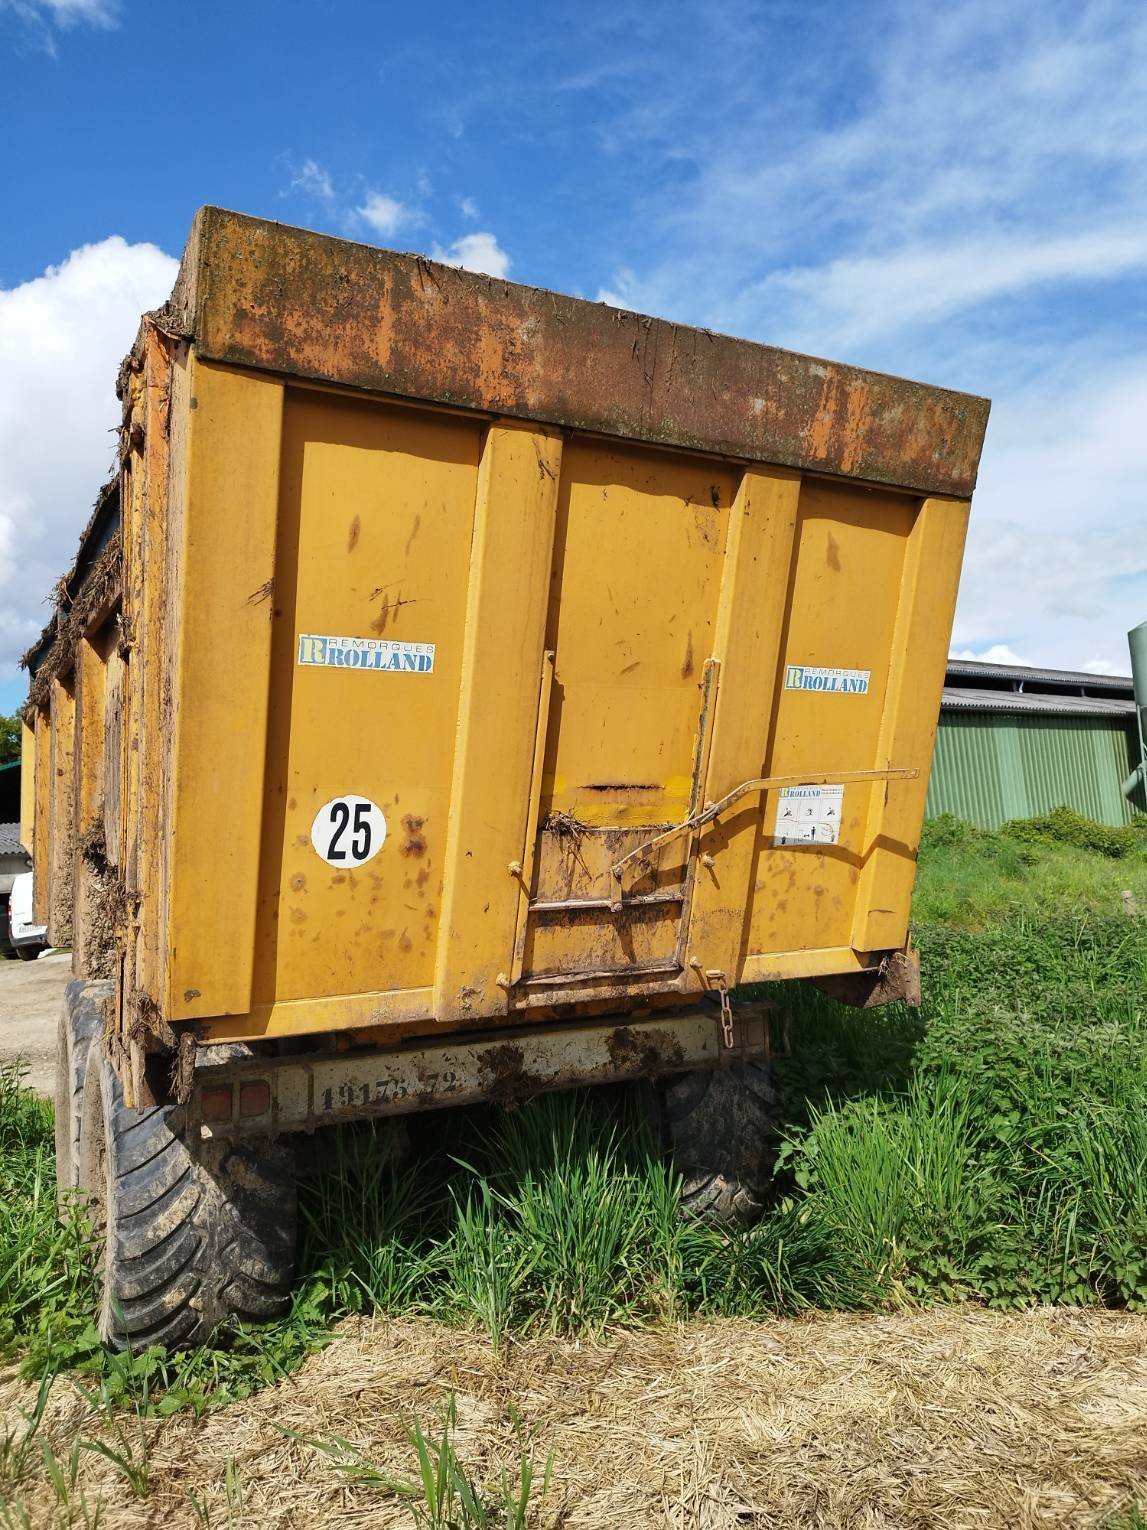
(450,658)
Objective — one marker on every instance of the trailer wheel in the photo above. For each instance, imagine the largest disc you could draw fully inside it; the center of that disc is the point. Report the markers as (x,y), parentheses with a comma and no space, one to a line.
(185,1239)
(718,1128)
(81,1019)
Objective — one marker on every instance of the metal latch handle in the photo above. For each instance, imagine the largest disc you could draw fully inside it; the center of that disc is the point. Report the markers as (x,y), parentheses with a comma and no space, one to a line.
(758,784)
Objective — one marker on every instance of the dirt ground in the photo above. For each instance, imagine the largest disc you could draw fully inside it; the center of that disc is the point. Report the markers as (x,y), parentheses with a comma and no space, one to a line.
(30,997)
(956,1418)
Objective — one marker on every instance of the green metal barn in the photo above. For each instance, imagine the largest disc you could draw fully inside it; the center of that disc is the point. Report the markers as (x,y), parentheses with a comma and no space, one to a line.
(1016,742)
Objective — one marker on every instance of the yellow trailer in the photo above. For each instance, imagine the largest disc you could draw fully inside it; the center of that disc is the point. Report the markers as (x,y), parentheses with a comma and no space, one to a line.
(459,691)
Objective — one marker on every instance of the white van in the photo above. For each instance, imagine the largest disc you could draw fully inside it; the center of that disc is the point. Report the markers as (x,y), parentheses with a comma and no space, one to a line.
(28,938)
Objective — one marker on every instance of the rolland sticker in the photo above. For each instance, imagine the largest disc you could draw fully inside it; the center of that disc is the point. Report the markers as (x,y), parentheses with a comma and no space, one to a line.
(366,653)
(813,677)
(808,815)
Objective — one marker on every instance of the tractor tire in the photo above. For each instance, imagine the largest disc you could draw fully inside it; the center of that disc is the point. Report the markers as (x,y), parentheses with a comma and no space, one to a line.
(81,1019)
(186,1237)
(717,1125)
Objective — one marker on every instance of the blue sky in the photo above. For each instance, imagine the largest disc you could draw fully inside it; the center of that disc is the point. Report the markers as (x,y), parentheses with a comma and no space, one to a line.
(956,193)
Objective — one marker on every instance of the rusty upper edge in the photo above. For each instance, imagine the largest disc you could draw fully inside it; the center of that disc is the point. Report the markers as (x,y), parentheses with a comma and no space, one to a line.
(258,294)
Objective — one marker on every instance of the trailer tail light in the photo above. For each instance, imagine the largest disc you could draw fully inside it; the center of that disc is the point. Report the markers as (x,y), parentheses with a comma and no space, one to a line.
(255,1098)
(215,1103)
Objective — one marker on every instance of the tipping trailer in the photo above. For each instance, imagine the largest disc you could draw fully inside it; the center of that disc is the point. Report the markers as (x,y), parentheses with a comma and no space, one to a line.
(459,691)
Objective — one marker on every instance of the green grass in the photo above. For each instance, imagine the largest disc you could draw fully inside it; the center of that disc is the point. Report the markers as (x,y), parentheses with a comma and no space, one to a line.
(990,1147)
(969,877)
(446,1495)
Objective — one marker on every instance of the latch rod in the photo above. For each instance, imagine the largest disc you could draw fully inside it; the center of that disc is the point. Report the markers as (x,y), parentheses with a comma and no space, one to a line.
(761,784)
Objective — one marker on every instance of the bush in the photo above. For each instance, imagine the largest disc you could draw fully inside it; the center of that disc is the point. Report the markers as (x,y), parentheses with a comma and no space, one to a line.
(1064,826)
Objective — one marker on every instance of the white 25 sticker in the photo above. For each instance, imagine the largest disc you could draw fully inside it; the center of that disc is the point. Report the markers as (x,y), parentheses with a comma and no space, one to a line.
(348,831)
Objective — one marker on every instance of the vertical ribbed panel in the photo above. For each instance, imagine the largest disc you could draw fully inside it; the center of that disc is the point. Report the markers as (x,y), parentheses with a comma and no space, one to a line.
(989,767)
(966,772)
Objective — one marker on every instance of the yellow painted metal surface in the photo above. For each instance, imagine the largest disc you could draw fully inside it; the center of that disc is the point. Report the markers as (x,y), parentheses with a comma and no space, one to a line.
(27,785)
(41,841)
(606,634)
(403,717)
(500,689)
(62,838)
(221,692)
(846,573)
(376,521)
(91,700)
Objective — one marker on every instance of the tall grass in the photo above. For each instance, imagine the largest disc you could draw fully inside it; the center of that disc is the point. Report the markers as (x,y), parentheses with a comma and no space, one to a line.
(446,1494)
(991,1146)
(44,1274)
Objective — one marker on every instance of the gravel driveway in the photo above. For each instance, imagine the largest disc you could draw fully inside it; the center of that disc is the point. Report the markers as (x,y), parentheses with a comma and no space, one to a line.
(31,994)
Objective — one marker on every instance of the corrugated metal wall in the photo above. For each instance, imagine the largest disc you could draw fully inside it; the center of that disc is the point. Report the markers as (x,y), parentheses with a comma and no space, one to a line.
(992,766)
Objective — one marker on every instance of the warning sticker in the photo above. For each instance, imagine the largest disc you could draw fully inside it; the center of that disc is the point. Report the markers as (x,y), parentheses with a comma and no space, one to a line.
(812,677)
(808,815)
(366,653)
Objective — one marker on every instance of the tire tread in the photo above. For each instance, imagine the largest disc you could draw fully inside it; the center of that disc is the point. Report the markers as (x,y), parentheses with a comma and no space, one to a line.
(192,1237)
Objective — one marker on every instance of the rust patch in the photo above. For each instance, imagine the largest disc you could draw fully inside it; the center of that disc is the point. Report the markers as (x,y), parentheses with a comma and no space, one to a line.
(353,534)
(687,667)
(257,294)
(415,841)
(621,786)
(643,1055)
(896,979)
(504,1077)
(832,555)
(183,1068)
(264,592)
(388,609)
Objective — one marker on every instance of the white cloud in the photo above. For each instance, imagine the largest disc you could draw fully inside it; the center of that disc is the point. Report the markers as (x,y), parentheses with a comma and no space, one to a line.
(957,193)
(998,653)
(385,215)
(857,299)
(1056,563)
(311,180)
(468,208)
(352,207)
(66,13)
(624,292)
(1012,135)
(62,336)
(475,252)
(1107,667)
(102,13)
(40,16)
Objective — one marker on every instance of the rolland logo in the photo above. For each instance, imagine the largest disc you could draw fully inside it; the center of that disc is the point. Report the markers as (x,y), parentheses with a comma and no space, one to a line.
(807,677)
(366,653)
